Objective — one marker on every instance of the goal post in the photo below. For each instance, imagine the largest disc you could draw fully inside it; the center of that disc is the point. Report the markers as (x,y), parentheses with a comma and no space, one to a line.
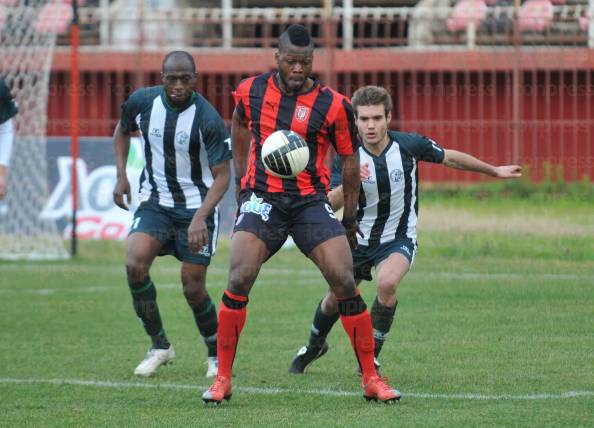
(25,64)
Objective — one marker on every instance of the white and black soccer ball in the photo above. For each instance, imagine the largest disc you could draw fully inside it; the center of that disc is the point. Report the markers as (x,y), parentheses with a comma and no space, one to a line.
(285,154)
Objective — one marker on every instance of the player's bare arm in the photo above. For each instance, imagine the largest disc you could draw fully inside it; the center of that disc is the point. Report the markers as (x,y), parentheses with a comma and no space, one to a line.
(121,144)
(350,185)
(3,180)
(240,140)
(336,198)
(336,195)
(464,161)
(198,231)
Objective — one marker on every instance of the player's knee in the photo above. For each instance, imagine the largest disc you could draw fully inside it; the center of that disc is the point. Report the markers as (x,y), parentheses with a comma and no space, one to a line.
(330,304)
(344,285)
(137,272)
(386,286)
(241,279)
(194,293)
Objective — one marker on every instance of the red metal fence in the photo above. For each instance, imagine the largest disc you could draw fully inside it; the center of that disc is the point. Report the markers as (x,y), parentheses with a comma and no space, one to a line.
(501,94)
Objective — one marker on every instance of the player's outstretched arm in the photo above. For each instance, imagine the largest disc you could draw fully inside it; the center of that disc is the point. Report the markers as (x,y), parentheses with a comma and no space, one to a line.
(121,144)
(466,162)
(336,195)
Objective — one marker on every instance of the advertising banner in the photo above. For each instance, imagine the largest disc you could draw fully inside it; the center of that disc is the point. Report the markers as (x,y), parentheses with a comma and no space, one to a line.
(98,217)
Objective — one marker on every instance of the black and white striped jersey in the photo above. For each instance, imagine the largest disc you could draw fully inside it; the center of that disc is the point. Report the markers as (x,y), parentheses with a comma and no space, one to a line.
(388,200)
(8,107)
(180,145)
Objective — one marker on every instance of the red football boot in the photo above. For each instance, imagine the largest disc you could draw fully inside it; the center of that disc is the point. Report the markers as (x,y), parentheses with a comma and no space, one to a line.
(219,391)
(377,389)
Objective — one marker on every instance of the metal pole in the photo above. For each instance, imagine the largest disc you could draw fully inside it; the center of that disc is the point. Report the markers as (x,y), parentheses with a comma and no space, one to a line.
(590,16)
(227,6)
(329,42)
(104,26)
(74,119)
(516,89)
(347,25)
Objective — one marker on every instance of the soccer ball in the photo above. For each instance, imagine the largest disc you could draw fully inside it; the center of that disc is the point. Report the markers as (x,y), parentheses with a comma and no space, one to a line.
(285,154)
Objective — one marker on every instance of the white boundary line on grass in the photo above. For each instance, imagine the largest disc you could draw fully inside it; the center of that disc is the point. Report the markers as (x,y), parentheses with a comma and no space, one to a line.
(303,281)
(275,391)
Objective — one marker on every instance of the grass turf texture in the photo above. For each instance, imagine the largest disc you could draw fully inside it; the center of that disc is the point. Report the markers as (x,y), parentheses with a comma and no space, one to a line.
(500,316)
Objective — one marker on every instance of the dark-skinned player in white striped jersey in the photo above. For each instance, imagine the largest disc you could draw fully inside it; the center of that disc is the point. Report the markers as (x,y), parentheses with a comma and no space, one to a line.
(387,213)
(187,153)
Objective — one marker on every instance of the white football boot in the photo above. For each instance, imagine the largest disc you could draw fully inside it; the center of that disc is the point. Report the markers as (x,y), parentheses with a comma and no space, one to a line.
(153,359)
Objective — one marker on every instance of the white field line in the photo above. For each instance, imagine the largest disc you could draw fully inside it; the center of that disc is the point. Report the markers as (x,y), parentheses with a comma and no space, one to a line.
(317,279)
(55,268)
(276,391)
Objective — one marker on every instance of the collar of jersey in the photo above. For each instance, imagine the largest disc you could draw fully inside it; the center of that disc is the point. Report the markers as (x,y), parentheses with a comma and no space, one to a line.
(383,151)
(275,78)
(191,101)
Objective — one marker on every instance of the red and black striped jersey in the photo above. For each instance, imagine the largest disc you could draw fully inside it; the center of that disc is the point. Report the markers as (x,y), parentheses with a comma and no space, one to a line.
(321,116)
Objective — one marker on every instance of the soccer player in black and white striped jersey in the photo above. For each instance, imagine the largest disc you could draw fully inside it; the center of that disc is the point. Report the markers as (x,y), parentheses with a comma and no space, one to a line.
(8,109)
(187,152)
(387,212)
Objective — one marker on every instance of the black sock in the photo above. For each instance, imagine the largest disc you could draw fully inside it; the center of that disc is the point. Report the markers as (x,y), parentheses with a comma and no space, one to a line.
(381,318)
(144,301)
(160,340)
(321,326)
(205,316)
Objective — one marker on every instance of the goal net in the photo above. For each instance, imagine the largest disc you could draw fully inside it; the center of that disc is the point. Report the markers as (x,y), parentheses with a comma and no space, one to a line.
(25,62)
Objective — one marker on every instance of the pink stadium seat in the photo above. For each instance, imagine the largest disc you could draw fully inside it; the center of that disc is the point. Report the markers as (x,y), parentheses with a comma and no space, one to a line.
(54,18)
(535,15)
(9,2)
(467,11)
(585,21)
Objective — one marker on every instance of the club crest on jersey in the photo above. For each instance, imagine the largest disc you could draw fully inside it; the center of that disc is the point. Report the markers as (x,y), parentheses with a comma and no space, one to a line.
(301,113)
(182,138)
(256,206)
(156,132)
(396,175)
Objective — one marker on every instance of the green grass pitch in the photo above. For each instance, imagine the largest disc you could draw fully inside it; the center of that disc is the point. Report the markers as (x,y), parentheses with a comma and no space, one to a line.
(494,328)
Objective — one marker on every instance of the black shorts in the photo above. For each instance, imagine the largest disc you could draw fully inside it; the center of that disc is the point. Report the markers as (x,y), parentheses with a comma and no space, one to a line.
(170,227)
(272,217)
(364,257)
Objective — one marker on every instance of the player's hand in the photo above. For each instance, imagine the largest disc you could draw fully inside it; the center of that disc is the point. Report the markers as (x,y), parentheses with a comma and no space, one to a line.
(364,172)
(121,189)
(351,227)
(508,171)
(3,181)
(197,234)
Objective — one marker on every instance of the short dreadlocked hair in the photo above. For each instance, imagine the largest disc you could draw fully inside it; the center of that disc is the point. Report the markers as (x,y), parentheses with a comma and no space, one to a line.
(296,35)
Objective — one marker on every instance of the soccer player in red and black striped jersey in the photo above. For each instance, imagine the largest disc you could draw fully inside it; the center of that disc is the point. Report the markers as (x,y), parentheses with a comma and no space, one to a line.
(272,208)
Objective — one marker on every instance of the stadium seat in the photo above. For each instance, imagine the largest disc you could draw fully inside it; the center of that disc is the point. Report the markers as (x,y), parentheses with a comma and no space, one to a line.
(2,17)
(9,2)
(54,18)
(466,11)
(585,21)
(535,15)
